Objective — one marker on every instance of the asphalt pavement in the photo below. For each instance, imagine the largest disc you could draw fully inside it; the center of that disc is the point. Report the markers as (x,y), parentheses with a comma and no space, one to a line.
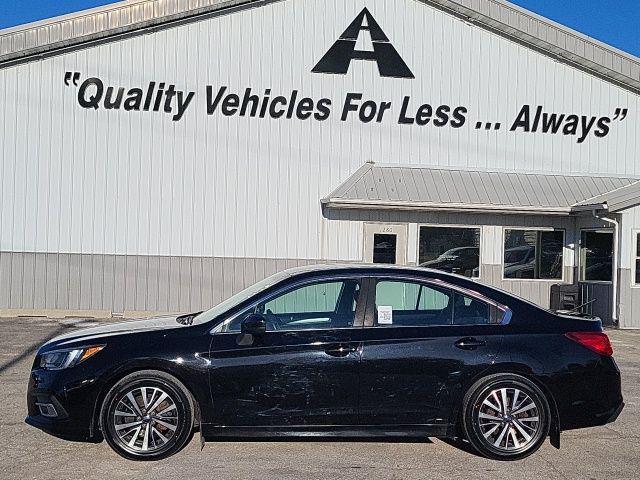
(609,452)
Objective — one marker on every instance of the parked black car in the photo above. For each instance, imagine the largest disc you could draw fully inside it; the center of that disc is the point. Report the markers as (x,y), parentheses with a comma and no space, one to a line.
(337,351)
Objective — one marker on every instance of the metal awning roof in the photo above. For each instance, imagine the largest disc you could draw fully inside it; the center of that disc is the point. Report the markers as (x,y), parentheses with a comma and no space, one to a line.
(392,187)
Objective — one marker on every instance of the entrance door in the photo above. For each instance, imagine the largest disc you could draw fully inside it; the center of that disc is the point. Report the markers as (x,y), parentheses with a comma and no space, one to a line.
(385,243)
(596,272)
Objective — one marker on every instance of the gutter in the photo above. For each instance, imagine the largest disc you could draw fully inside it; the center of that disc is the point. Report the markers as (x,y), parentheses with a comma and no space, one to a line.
(338,203)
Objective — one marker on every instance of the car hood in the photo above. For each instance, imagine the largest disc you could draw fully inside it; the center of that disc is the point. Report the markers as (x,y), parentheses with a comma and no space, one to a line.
(129,326)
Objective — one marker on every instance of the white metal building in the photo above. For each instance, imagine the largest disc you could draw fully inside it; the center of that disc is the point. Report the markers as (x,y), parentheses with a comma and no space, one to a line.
(160,155)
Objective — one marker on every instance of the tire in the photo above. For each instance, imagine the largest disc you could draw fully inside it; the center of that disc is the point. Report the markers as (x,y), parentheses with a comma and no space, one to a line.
(155,428)
(512,433)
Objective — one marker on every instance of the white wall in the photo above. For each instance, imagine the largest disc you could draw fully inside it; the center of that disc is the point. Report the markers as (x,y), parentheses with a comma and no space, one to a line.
(136,183)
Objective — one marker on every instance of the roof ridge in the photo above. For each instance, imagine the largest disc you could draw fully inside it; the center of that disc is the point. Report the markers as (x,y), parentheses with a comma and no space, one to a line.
(503,171)
(583,202)
(351,180)
(76,30)
(548,21)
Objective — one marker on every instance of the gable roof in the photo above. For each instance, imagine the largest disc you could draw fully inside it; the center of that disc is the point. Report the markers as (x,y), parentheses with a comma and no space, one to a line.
(81,29)
(446,189)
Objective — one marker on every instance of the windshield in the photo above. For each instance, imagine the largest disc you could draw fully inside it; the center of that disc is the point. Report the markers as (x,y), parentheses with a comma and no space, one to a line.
(451,254)
(238,298)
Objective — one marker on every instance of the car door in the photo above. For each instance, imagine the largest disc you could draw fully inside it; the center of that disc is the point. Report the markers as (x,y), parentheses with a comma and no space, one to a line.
(423,343)
(303,371)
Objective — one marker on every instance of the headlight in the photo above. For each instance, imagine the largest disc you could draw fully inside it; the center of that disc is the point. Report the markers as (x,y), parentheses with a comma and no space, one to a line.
(59,359)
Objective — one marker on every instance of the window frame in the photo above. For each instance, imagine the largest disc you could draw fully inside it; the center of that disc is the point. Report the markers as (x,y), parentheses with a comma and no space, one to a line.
(218,329)
(369,318)
(597,230)
(448,225)
(562,278)
(634,242)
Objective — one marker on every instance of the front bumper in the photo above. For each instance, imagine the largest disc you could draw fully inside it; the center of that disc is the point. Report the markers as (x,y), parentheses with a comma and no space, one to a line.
(62,403)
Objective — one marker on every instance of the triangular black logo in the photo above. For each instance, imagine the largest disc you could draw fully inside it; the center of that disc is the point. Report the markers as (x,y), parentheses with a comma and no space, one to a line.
(338,58)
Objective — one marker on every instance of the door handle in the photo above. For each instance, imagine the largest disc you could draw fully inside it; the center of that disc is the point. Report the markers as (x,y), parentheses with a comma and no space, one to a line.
(340,349)
(469,343)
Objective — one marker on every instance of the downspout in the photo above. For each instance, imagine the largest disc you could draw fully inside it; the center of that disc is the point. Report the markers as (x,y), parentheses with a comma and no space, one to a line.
(614,295)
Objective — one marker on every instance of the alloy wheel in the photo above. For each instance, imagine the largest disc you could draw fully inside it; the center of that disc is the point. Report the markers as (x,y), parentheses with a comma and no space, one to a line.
(145,419)
(508,419)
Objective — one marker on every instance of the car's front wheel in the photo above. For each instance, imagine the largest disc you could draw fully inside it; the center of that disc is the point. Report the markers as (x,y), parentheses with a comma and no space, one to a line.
(505,416)
(147,415)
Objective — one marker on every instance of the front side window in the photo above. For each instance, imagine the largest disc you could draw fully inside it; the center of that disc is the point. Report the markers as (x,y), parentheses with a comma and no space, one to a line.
(322,305)
(413,304)
(596,256)
(533,254)
(450,249)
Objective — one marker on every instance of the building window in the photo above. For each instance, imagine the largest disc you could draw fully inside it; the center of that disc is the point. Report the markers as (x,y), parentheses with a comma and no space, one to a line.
(450,249)
(384,247)
(636,264)
(596,256)
(533,254)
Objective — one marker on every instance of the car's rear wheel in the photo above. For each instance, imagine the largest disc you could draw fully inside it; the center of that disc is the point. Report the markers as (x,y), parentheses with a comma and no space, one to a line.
(148,415)
(505,416)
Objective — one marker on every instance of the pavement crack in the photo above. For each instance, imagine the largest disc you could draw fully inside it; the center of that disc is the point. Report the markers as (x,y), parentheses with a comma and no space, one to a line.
(554,468)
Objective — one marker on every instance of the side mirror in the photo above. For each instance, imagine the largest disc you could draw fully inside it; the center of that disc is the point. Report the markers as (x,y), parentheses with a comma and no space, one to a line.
(254,324)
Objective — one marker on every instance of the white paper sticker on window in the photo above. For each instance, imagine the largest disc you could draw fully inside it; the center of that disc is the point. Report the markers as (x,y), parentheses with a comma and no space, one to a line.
(385,315)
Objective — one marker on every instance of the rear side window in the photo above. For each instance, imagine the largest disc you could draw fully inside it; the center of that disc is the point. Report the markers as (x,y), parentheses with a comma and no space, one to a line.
(413,304)
(468,310)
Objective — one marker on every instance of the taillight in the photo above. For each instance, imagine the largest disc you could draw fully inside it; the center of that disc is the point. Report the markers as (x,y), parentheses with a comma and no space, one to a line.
(595,341)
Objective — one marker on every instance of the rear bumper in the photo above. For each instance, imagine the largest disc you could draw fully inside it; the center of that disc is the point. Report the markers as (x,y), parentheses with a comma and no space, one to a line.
(591,397)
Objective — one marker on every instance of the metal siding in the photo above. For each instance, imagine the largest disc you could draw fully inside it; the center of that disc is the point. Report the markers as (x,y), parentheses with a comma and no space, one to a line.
(629,301)
(40,282)
(115,186)
(74,282)
(96,294)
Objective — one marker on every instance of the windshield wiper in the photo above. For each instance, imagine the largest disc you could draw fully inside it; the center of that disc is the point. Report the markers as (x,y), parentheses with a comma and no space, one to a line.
(188,318)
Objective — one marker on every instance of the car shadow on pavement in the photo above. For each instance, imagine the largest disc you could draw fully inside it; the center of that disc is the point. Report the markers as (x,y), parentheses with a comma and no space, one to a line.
(457,443)
(31,349)
(324,439)
(461,444)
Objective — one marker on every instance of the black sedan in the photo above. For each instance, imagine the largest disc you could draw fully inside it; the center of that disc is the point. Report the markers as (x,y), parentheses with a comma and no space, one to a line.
(337,350)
